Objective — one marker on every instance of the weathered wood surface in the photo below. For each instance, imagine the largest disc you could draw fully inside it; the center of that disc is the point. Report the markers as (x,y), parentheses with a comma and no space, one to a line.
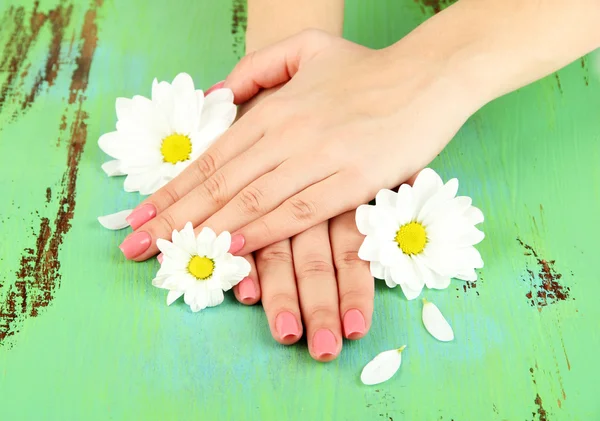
(84,336)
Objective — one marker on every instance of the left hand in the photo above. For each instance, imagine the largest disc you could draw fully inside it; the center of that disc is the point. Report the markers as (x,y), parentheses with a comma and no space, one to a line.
(349,122)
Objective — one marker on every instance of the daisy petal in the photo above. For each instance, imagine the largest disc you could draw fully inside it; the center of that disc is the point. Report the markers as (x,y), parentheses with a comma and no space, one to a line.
(111,144)
(363,219)
(389,280)
(172,296)
(369,249)
(112,168)
(405,205)
(467,275)
(435,323)
(221,244)
(218,96)
(386,197)
(123,108)
(377,270)
(115,221)
(426,184)
(206,136)
(410,291)
(474,215)
(382,367)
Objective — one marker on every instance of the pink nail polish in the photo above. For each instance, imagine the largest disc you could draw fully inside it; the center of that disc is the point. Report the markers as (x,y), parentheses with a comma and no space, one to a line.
(286,325)
(246,289)
(141,215)
(237,243)
(324,343)
(135,244)
(354,324)
(214,87)
(160,258)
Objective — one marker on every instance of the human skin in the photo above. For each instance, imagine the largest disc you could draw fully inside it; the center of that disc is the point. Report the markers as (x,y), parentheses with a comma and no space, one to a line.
(314,281)
(352,120)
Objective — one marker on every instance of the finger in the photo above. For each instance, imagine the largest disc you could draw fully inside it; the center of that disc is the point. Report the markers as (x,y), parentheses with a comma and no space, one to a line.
(273,65)
(267,192)
(318,293)
(248,290)
(356,286)
(238,138)
(317,203)
(279,295)
(202,201)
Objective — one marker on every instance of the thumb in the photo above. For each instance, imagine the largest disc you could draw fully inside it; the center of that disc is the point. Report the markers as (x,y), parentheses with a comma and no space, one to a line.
(274,65)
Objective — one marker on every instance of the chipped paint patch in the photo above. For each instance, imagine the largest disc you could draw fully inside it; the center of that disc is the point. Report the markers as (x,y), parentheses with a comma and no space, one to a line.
(545,281)
(239,19)
(38,277)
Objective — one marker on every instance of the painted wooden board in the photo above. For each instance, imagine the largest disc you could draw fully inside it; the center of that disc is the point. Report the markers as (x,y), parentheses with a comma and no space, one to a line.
(84,335)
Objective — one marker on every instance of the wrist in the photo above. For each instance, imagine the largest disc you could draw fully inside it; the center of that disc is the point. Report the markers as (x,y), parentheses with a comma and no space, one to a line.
(271,21)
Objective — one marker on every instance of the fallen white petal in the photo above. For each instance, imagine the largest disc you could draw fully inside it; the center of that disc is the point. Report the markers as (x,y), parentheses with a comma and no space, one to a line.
(435,323)
(115,221)
(382,367)
(112,168)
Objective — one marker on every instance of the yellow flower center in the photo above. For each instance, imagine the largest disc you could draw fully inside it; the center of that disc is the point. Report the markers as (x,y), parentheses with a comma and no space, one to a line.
(201,267)
(411,238)
(176,148)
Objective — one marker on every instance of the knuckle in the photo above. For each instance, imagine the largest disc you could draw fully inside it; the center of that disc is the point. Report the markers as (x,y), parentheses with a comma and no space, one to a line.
(281,300)
(275,255)
(352,298)
(206,165)
(171,195)
(165,223)
(315,267)
(302,210)
(215,187)
(251,200)
(321,314)
(348,260)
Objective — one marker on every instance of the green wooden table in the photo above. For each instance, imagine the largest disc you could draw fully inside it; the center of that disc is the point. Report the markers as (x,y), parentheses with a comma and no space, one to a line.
(84,335)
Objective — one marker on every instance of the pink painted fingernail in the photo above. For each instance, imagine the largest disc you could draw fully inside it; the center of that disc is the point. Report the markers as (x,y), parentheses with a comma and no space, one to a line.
(237,243)
(354,324)
(246,290)
(214,87)
(135,244)
(160,258)
(141,215)
(324,343)
(286,325)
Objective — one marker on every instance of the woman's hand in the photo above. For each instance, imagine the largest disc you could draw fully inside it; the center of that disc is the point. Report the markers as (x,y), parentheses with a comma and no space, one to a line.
(349,122)
(314,282)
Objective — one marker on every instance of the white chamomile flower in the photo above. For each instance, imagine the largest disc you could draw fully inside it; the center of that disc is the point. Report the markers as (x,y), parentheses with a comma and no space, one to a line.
(422,235)
(157,138)
(199,268)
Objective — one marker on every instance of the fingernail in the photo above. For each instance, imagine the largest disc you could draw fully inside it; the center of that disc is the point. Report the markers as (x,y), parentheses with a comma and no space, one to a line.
(237,243)
(246,290)
(141,215)
(354,324)
(286,325)
(160,258)
(214,87)
(135,244)
(324,343)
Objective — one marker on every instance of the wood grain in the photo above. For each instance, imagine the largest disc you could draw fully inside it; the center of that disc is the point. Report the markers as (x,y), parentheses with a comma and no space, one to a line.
(83,334)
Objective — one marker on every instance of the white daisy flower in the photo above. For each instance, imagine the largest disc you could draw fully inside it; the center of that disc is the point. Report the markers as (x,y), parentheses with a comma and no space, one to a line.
(157,138)
(199,268)
(422,235)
